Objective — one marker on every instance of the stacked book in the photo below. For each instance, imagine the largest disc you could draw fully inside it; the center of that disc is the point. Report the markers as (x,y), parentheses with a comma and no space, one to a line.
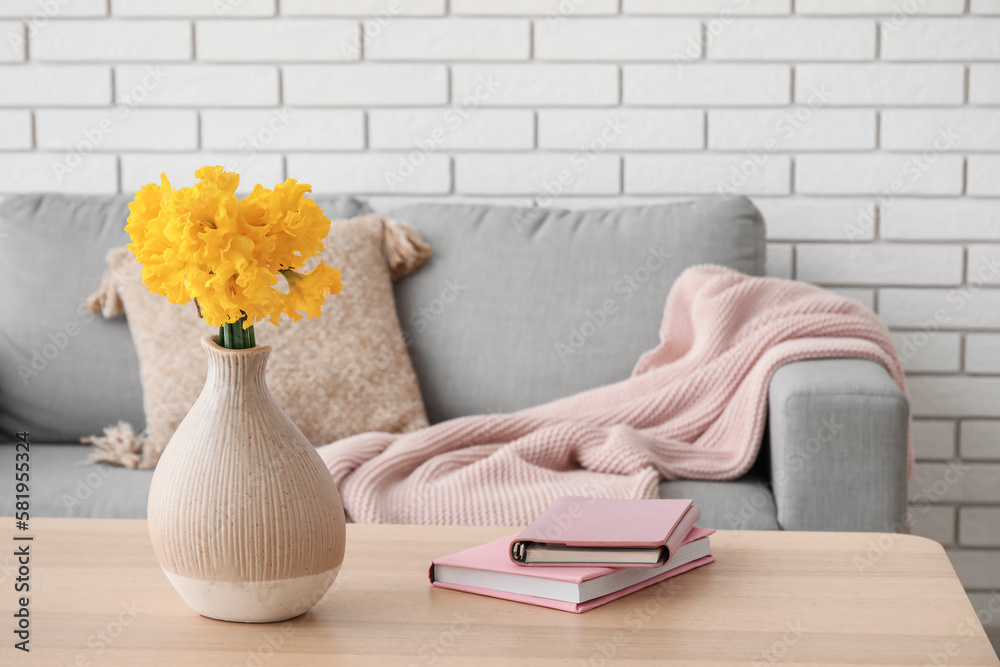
(581,553)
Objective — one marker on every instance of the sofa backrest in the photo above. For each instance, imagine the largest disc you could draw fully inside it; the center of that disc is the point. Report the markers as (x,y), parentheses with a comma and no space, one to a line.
(65,374)
(517,307)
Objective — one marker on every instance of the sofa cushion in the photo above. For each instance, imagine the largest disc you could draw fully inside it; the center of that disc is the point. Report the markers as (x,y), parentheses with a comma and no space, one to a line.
(65,374)
(741,504)
(68,487)
(522,306)
(75,489)
(344,373)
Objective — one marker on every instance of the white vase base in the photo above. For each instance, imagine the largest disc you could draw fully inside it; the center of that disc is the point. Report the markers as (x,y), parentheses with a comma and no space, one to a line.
(253,602)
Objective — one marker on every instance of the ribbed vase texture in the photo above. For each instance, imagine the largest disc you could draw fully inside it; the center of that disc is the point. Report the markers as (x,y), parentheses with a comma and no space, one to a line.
(244,516)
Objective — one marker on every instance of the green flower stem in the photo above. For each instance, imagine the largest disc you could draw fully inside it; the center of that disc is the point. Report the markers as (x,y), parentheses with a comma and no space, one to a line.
(235,337)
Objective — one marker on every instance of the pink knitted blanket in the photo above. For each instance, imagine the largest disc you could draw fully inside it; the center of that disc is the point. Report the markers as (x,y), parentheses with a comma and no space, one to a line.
(695,407)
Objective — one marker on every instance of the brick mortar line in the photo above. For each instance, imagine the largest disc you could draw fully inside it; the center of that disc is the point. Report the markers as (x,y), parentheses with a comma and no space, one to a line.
(554,152)
(621,14)
(520,61)
(526,107)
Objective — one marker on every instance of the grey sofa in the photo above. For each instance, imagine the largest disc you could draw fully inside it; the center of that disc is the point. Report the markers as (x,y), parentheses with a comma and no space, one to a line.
(516,307)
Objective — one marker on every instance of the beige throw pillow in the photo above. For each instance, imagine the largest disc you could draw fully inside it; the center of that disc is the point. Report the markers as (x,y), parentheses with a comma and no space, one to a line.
(346,372)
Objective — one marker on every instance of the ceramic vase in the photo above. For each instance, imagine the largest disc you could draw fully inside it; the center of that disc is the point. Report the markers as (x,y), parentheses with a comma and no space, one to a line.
(244,516)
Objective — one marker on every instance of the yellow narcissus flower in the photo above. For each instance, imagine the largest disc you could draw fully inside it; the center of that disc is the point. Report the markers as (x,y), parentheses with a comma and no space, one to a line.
(204,243)
(306,291)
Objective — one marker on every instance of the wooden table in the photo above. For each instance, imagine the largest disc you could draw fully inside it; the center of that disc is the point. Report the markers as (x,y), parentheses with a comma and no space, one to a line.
(99,598)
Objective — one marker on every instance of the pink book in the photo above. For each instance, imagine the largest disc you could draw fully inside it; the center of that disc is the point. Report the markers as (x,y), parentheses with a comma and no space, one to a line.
(605,531)
(488,570)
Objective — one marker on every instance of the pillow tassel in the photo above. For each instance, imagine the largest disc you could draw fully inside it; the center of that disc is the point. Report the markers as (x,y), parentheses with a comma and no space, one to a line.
(404,249)
(119,446)
(105,300)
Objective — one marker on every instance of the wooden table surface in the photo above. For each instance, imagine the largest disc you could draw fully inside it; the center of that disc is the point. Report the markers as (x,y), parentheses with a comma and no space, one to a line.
(772,598)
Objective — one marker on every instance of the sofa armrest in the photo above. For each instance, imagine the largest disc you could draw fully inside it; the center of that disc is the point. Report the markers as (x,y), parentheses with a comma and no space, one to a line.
(838,446)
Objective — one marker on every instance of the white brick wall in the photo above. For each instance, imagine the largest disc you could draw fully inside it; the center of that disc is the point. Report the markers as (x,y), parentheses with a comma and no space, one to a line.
(878,7)
(34,172)
(705,7)
(883,84)
(984,84)
(792,129)
(949,130)
(933,440)
(126,129)
(137,169)
(13,50)
(454,39)
(197,86)
(632,129)
(941,219)
(362,8)
(982,178)
(111,41)
(614,39)
(182,8)
(15,130)
(367,173)
(287,40)
(865,264)
(979,439)
(486,129)
(867,132)
(982,353)
(283,129)
(706,174)
(556,85)
(28,86)
(941,39)
(684,84)
(537,174)
(68,8)
(368,85)
(795,39)
(900,174)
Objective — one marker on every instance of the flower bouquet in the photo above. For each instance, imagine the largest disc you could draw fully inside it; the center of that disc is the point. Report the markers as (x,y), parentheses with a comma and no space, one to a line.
(244,517)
